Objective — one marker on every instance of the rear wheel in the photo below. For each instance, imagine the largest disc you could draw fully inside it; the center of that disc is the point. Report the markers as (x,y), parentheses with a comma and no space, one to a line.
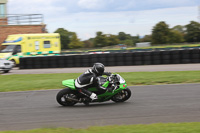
(65,96)
(122,95)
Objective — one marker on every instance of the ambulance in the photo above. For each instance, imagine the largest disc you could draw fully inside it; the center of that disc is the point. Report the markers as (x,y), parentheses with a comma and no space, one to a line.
(25,45)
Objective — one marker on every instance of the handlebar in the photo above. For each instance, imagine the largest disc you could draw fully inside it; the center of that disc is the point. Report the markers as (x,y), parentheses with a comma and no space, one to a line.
(113,81)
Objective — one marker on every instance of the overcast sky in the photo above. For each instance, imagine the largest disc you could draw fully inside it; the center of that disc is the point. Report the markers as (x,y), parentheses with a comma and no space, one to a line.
(86,17)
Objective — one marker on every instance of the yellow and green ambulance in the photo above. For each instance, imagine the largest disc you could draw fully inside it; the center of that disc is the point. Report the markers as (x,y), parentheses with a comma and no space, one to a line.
(24,45)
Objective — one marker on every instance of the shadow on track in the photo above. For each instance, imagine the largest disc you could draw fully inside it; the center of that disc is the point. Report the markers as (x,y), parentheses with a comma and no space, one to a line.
(91,105)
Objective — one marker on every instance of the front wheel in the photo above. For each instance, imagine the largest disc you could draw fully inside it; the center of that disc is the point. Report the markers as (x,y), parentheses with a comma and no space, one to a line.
(6,71)
(122,95)
(62,97)
(14,62)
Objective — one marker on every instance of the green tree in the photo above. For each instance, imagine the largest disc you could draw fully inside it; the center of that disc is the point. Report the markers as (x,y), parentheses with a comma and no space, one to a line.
(88,44)
(193,32)
(128,39)
(122,36)
(146,38)
(100,40)
(112,40)
(160,33)
(128,42)
(65,36)
(75,42)
(179,28)
(176,37)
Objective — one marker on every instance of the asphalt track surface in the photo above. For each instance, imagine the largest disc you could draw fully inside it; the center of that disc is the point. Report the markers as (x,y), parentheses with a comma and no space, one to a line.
(148,104)
(149,68)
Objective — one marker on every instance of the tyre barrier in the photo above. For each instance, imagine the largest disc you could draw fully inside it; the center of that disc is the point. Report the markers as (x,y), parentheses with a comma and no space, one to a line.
(112,59)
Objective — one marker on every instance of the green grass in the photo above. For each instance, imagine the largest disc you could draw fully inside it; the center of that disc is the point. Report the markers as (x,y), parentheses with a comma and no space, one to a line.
(53,81)
(151,128)
(155,78)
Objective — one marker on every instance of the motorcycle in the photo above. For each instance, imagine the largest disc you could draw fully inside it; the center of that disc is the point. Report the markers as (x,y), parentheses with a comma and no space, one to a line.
(117,91)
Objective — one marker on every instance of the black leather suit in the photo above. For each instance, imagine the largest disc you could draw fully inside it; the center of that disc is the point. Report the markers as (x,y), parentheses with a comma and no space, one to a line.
(87,79)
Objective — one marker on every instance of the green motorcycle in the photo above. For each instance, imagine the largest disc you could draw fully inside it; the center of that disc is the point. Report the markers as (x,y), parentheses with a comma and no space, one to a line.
(117,91)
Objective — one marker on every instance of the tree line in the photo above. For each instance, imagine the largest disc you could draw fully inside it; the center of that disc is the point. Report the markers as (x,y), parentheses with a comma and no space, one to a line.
(161,34)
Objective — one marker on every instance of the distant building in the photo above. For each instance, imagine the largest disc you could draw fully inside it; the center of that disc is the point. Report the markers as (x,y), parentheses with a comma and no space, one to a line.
(3,11)
(19,23)
(143,44)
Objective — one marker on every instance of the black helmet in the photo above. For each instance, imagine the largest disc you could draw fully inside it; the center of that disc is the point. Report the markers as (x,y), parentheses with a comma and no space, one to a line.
(98,68)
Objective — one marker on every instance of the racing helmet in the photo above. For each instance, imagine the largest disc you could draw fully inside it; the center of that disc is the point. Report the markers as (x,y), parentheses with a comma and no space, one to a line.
(98,68)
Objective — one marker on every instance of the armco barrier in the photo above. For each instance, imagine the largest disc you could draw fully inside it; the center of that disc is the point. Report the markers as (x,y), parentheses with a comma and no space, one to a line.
(112,59)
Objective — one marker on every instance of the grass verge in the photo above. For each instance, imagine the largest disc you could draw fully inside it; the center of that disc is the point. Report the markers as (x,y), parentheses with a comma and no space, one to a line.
(151,128)
(53,81)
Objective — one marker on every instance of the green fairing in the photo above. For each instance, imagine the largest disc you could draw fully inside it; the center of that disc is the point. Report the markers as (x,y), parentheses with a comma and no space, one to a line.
(69,83)
(106,84)
(93,89)
(123,86)
(108,95)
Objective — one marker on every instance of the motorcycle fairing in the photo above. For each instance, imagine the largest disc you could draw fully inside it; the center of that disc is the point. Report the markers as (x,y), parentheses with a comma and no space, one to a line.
(69,83)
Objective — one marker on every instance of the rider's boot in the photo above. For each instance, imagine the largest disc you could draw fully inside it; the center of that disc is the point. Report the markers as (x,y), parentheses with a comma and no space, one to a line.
(90,95)
(93,96)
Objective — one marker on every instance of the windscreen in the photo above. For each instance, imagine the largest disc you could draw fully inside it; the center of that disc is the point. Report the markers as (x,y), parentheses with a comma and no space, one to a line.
(8,48)
(121,80)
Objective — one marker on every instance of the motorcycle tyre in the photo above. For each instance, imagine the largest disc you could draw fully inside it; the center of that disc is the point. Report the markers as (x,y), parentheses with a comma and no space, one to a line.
(124,99)
(61,94)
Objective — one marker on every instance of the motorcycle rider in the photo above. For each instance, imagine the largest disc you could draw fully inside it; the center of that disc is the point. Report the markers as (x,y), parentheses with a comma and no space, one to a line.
(90,78)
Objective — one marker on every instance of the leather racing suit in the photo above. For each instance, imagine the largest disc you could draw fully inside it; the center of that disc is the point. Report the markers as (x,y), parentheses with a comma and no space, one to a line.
(87,79)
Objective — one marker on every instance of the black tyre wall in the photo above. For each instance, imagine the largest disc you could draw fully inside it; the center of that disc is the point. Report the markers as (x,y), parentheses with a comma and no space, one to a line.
(112,59)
